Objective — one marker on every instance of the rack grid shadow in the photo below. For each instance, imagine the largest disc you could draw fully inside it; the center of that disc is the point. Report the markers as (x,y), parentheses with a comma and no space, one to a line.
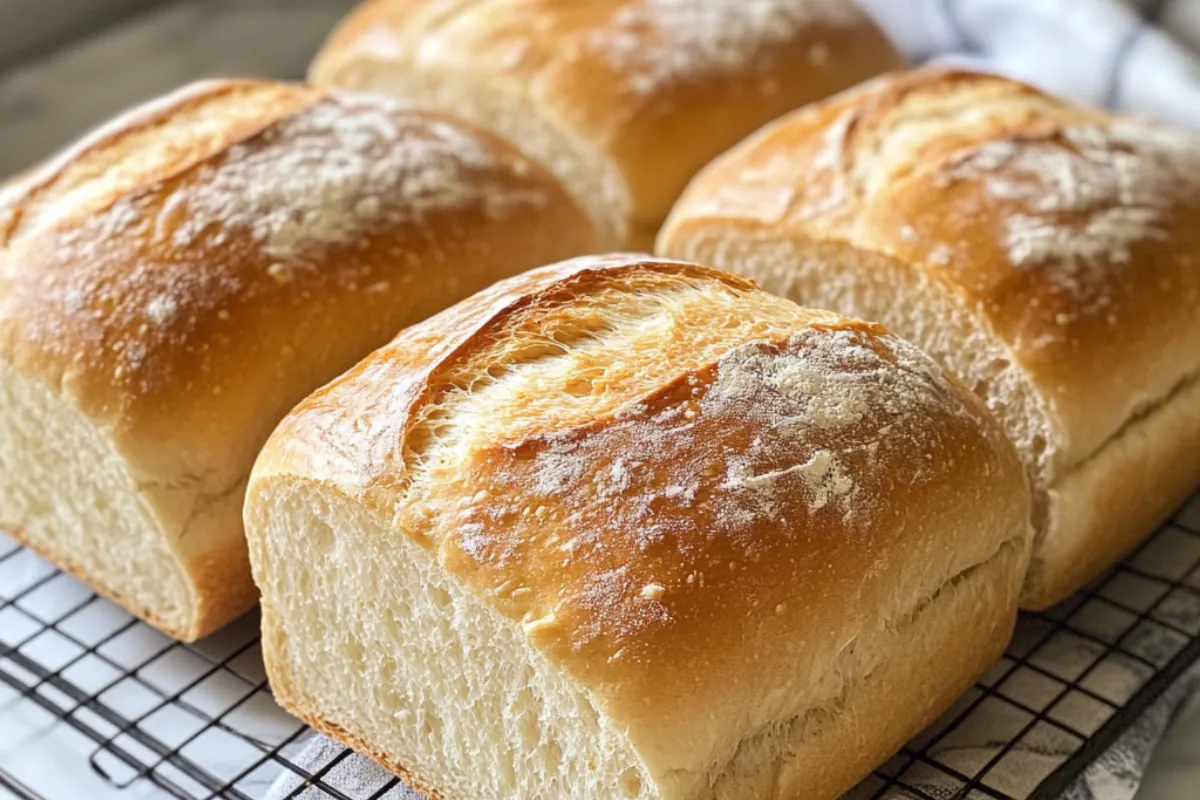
(198,722)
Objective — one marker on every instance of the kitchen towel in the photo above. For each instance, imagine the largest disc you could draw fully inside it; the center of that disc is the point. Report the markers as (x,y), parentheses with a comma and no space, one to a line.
(1135,56)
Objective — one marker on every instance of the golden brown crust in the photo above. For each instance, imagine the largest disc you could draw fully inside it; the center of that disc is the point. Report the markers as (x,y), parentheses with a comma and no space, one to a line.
(220,587)
(1045,250)
(324,437)
(739,502)
(716,523)
(954,639)
(87,161)
(187,275)
(1066,229)
(658,89)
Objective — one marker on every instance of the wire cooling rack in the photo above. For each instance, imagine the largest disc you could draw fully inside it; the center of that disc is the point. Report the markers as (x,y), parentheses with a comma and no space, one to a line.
(197,721)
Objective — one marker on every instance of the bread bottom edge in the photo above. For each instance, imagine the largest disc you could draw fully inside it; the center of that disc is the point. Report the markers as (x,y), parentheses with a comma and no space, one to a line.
(948,643)
(1105,506)
(227,611)
(281,684)
(358,745)
(77,571)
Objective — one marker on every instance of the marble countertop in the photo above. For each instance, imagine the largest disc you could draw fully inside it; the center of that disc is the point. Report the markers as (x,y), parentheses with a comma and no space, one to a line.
(75,81)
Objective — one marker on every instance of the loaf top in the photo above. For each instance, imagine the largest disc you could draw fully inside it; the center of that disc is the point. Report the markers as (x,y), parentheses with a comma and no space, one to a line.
(1070,231)
(191,270)
(650,465)
(657,87)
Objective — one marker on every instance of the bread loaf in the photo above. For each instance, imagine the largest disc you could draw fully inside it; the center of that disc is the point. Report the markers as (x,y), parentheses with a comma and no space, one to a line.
(631,528)
(1046,254)
(623,99)
(174,284)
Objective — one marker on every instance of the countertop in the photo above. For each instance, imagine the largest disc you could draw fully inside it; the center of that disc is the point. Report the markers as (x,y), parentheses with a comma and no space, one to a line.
(146,48)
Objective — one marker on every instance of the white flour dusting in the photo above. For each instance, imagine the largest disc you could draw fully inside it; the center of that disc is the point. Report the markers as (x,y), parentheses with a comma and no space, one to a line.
(339,170)
(617,607)
(162,308)
(1107,235)
(807,404)
(822,475)
(776,439)
(557,471)
(338,173)
(834,381)
(474,541)
(656,43)
(1089,197)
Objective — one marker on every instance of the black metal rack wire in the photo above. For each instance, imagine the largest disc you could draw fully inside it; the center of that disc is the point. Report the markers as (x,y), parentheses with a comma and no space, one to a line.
(197,721)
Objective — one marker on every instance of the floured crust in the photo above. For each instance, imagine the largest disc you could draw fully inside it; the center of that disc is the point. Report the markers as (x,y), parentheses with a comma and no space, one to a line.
(638,523)
(1044,252)
(1066,229)
(102,159)
(189,272)
(649,89)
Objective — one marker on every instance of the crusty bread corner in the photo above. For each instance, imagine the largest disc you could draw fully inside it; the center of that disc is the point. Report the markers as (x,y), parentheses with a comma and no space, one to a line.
(632,527)
(173,284)
(1105,507)
(624,99)
(1043,252)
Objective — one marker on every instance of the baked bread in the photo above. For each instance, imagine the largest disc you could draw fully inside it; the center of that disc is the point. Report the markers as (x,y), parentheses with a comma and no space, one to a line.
(1046,254)
(174,284)
(631,528)
(623,99)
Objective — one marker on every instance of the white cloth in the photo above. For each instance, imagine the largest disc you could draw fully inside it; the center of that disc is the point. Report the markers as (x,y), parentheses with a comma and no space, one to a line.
(1136,56)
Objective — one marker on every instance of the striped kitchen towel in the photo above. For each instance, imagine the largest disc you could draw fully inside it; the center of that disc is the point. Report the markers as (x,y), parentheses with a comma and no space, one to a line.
(1135,56)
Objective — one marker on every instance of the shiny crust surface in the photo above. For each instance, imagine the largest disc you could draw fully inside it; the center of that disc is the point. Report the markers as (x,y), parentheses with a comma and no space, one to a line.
(689,524)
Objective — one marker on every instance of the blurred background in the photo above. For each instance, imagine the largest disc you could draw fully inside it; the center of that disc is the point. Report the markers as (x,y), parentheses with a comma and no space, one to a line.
(67,65)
